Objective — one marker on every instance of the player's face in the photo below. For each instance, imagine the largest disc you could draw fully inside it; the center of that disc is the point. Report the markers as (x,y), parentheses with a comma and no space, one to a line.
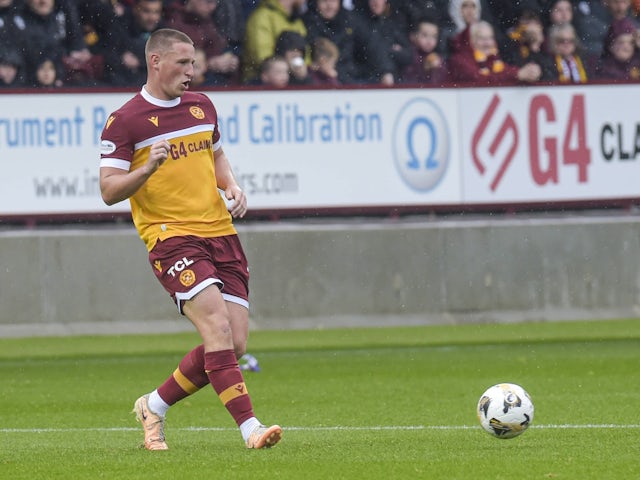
(175,70)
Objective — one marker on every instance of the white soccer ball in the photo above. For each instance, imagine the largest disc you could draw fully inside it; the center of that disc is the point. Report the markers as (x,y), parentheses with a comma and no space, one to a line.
(505,410)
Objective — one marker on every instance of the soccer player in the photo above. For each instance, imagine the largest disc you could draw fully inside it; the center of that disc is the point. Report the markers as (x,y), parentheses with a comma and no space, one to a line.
(162,151)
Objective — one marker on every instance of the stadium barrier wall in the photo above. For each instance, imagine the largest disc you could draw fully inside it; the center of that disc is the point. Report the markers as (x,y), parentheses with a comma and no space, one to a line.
(322,275)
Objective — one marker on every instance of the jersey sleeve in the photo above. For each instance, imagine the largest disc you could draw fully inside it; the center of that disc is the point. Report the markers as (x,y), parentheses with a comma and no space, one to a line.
(116,149)
(213,114)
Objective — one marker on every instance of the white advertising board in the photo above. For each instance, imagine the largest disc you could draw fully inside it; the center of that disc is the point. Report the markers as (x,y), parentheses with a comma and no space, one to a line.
(550,144)
(312,149)
(352,148)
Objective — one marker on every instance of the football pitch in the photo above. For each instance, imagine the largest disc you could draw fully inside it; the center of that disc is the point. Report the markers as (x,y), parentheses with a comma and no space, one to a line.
(383,403)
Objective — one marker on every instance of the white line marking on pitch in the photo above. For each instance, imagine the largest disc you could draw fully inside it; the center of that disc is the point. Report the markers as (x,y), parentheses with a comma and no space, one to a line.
(327,428)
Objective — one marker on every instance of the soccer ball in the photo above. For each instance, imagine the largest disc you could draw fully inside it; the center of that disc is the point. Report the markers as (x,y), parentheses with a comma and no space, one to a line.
(505,410)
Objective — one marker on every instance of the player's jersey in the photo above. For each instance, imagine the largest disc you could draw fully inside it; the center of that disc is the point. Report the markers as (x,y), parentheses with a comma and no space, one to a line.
(181,197)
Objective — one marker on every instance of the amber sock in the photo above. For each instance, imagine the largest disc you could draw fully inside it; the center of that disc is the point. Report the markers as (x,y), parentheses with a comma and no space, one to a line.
(226,379)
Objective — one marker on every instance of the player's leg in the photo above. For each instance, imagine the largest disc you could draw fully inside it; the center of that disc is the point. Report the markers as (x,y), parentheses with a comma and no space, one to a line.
(239,316)
(190,375)
(212,317)
(186,379)
(168,256)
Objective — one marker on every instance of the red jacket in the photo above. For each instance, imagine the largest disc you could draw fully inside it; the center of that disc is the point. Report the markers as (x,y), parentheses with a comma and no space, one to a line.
(202,31)
(480,69)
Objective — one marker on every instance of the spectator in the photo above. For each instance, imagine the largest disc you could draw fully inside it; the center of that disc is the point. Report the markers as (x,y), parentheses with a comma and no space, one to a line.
(559,12)
(619,9)
(274,72)
(13,33)
(591,19)
(392,40)
(100,24)
(570,66)
(485,67)
(293,48)
(622,63)
(126,64)
(505,14)
(200,70)
(54,29)
(358,47)
(324,57)
(463,13)
(195,18)
(527,45)
(47,74)
(635,10)
(408,13)
(428,65)
(11,68)
(264,26)
(230,20)
(248,6)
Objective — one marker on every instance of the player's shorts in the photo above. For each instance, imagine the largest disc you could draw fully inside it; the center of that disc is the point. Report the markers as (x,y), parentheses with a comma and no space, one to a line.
(187,265)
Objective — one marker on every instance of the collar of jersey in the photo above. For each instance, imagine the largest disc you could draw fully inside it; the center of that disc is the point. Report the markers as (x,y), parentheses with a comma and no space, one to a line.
(156,101)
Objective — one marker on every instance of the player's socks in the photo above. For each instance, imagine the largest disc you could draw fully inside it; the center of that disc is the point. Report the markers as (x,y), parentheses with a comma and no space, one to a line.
(248,426)
(226,379)
(156,404)
(187,379)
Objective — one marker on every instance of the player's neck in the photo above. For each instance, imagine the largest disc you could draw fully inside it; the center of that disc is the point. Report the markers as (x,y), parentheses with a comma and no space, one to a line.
(156,92)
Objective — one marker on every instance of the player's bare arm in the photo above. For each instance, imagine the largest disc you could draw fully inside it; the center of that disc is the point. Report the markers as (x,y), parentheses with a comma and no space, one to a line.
(117,184)
(227,182)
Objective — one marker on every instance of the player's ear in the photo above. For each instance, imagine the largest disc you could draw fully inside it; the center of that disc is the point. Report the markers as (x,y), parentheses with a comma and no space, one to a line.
(154,60)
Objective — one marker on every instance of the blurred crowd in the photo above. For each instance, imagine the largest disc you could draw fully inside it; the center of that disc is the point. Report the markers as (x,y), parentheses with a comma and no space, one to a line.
(278,43)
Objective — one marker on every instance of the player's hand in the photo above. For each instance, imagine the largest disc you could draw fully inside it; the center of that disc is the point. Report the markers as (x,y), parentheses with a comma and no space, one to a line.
(237,201)
(158,153)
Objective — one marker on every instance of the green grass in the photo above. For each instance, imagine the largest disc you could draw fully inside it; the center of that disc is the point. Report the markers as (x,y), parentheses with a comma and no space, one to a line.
(381,403)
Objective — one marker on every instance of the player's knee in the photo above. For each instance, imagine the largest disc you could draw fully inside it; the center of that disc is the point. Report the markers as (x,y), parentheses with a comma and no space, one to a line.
(240,347)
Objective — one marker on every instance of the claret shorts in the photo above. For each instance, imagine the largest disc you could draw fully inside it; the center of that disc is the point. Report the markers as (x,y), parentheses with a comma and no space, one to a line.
(187,265)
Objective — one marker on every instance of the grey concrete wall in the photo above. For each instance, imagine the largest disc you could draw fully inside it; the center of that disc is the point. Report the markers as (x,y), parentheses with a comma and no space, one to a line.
(306,275)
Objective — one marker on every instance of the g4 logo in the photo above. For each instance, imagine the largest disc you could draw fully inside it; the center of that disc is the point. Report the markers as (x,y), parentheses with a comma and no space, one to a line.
(541,111)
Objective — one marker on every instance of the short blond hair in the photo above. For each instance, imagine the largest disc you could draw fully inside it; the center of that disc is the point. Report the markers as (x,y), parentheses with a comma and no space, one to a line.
(162,40)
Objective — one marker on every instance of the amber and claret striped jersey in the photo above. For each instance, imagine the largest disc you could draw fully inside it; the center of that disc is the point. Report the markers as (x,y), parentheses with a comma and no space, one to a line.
(181,197)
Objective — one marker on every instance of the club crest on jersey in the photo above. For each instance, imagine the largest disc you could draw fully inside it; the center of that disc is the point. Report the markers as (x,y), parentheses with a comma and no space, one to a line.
(153,120)
(187,278)
(197,112)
